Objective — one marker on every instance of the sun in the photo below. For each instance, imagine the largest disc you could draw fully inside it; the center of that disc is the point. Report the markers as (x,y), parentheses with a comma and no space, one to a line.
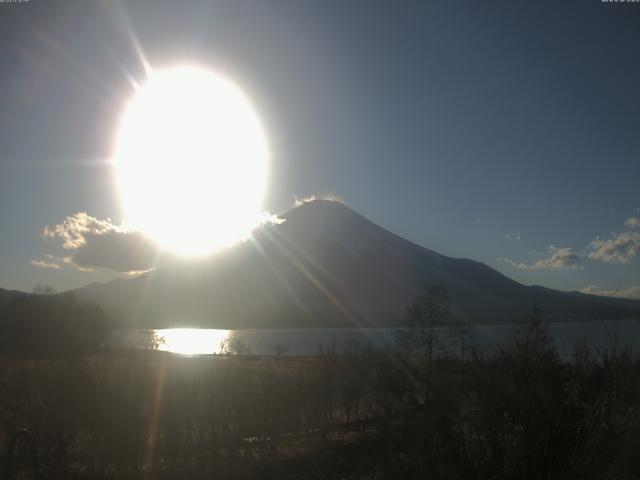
(191,161)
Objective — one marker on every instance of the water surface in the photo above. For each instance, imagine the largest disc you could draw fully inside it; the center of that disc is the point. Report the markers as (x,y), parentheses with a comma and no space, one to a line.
(202,341)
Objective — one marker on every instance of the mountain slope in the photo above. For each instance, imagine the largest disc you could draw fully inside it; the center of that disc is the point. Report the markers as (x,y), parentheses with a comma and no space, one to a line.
(5,295)
(329,266)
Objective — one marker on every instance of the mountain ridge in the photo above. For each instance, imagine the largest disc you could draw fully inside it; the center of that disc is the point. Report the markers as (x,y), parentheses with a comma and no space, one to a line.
(328,266)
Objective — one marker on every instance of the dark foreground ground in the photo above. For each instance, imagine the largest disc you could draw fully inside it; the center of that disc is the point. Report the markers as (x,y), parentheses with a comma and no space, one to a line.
(517,412)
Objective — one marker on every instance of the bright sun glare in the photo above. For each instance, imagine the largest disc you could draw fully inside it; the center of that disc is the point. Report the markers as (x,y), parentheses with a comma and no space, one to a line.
(191,161)
(192,341)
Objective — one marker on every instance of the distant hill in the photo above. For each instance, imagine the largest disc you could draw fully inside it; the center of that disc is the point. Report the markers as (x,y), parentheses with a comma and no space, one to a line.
(5,295)
(327,266)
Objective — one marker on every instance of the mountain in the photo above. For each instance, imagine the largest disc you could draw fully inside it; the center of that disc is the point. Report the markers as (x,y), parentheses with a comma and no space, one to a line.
(327,266)
(5,295)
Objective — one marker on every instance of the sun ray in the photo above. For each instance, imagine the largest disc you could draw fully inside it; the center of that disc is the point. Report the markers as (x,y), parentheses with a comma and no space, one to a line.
(353,317)
(281,278)
(313,279)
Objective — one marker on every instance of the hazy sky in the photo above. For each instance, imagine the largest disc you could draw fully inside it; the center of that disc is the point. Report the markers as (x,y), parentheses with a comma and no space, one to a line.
(506,132)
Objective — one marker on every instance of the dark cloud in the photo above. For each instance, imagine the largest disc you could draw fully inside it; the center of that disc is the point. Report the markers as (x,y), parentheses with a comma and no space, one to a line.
(118,251)
(94,243)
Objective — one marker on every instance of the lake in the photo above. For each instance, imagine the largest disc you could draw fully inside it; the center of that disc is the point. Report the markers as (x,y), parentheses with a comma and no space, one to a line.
(201,341)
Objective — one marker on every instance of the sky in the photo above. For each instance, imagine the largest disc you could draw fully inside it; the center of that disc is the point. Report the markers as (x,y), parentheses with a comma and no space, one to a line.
(506,132)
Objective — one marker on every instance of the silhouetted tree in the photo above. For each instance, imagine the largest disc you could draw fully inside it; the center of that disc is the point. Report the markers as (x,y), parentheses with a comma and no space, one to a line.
(40,289)
(234,345)
(424,320)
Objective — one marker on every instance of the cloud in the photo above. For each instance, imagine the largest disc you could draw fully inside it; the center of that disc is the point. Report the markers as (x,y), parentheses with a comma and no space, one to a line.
(74,228)
(270,218)
(330,197)
(632,222)
(95,243)
(513,263)
(631,292)
(115,250)
(558,258)
(621,248)
(52,262)
(44,264)
(69,261)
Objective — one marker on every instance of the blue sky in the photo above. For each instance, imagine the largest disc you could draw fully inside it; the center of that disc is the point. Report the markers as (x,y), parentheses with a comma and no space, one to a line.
(488,130)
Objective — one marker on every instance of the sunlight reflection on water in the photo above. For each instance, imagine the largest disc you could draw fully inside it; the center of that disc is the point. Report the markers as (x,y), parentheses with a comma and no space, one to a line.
(203,341)
(191,341)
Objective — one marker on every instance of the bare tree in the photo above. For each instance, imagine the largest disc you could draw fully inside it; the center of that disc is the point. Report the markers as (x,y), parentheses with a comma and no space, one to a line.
(424,320)
(40,289)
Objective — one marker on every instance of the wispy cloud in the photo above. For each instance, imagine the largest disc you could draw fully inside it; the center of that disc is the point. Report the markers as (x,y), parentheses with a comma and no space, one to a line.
(45,264)
(513,263)
(631,292)
(297,201)
(487,222)
(51,262)
(559,258)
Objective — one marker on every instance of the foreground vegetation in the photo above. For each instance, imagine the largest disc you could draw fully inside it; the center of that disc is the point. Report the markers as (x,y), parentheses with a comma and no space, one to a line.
(517,412)
(431,408)
(47,324)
